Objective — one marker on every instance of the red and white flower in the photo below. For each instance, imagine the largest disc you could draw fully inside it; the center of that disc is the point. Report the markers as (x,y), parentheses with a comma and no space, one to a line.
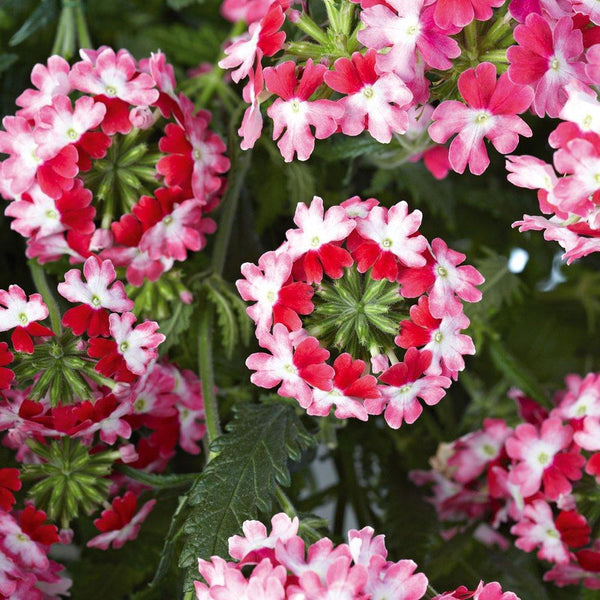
(121,523)
(373,102)
(491,112)
(97,297)
(543,457)
(295,112)
(21,314)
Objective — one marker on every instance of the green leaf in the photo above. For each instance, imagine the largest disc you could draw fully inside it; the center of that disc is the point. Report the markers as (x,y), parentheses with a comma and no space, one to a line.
(168,549)
(176,326)
(226,317)
(345,148)
(7,60)
(515,372)
(300,183)
(501,287)
(241,479)
(44,14)
(185,45)
(179,4)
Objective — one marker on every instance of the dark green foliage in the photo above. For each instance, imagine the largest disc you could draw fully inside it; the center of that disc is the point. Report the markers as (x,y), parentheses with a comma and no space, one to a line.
(240,482)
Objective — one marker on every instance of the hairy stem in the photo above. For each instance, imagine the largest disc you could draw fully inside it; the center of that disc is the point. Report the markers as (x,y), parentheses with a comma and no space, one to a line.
(207,377)
(285,503)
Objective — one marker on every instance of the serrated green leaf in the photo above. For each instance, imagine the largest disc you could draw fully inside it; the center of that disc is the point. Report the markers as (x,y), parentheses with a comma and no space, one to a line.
(44,14)
(175,326)
(226,319)
(239,308)
(241,479)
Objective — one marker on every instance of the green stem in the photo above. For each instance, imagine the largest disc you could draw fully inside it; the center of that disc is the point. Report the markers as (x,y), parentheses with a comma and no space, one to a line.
(70,34)
(207,377)
(470,33)
(431,593)
(306,24)
(41,283)
(85,41)
(495,56)
(497,31)
(285,502)
(236,179)
(332,15)
(60,34)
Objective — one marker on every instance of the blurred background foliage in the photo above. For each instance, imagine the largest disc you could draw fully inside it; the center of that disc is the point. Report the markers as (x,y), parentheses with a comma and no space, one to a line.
(538,321)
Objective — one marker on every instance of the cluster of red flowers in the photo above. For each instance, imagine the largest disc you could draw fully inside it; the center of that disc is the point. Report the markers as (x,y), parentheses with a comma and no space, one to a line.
(67,157)
(284,569)
(379,83)
(571,198)
(142,406)
(26,572)
(528,477)
(397,266)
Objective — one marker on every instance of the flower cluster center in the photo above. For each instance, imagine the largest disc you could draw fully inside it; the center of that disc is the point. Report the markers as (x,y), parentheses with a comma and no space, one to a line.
(357,314)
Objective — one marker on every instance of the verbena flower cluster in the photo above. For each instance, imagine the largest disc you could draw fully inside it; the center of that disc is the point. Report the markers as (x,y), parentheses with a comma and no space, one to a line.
(85,400)
(109,170)
(105,158)
(529,480)
(359,280)
(283,567)
(372,71)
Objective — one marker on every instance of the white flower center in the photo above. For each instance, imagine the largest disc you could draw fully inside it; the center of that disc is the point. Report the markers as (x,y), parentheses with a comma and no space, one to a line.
(110,90)
(482,118)
(197,154)
(51,214)
(295,106)
(95,300)
(438,337)
(124,346)
(23,319)
(555,64)
(387,243)
(315,242)
(442,271)
(72,133)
